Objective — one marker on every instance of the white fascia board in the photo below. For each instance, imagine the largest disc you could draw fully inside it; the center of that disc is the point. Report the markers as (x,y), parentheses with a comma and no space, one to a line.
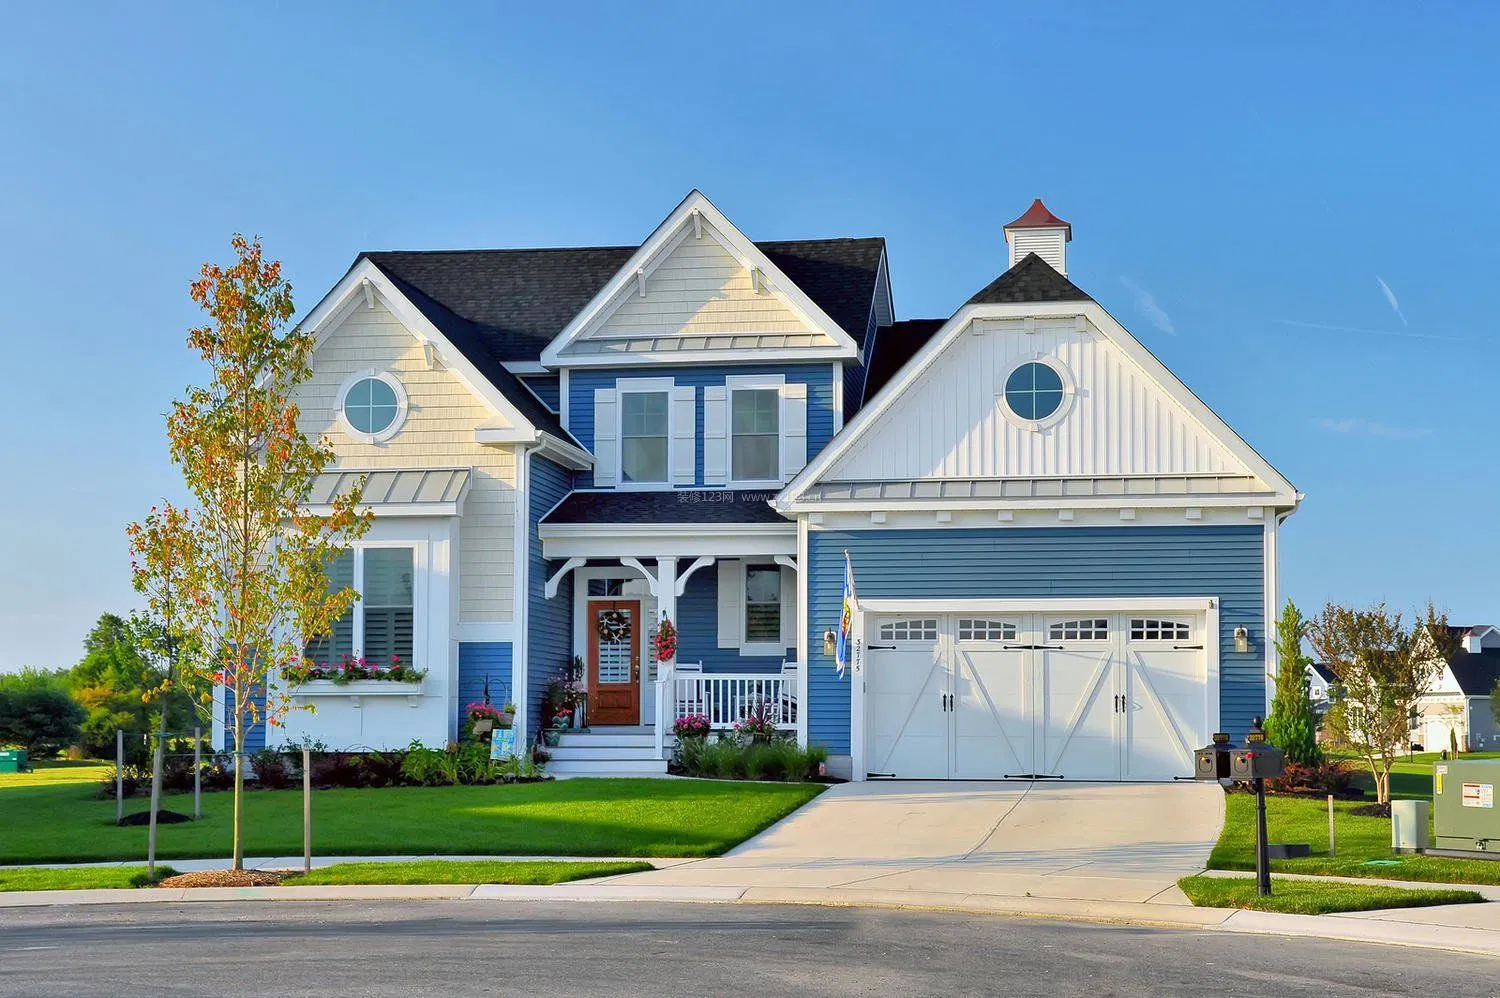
(661,241)
(581,540)
(1287,495)
(525,367)
(335,306)
(564,452)
(1136,604)
(382,510)
(679,357)
(793,507)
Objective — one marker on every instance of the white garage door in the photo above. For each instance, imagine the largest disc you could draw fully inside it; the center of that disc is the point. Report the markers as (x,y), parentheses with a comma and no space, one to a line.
(1096,696)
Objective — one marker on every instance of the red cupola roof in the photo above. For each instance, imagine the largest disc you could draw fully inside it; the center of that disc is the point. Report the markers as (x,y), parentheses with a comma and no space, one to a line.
(1039,216)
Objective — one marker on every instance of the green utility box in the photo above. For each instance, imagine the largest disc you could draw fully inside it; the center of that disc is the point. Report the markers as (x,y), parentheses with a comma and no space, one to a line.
(1463,797)
(13,761)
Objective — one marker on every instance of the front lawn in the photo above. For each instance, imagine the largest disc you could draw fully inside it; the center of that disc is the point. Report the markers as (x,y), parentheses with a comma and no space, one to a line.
(89,878)
(1359,840)
(1312,897)
(1410,778)
(434,871)
(51,816)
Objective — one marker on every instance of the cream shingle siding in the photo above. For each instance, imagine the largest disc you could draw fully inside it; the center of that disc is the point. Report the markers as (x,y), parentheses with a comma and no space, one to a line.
(438,433)
(700,289)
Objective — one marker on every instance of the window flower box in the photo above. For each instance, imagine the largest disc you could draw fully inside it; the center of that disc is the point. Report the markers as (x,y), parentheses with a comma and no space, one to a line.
(357,688)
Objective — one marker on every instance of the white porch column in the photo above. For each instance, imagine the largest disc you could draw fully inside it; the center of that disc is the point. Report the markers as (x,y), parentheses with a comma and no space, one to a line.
(666,672)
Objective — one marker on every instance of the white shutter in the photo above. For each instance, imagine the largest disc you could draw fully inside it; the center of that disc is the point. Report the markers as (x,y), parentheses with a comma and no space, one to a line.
(793,430)
(715,435)
(788,607)
(684,436)
(731,604)
(606,436)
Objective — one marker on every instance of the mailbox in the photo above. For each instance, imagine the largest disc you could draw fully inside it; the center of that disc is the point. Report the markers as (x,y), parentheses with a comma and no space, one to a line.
(1212,761)
(1256,762)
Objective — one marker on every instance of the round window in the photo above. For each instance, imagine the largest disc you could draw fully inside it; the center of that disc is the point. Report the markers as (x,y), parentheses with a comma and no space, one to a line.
(1034,391)
(372,406)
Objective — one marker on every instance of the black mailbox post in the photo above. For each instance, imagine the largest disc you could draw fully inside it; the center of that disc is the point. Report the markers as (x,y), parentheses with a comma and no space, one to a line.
(1255,763)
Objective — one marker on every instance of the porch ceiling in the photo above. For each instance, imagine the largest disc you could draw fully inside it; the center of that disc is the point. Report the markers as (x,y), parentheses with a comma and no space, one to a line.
(677,506)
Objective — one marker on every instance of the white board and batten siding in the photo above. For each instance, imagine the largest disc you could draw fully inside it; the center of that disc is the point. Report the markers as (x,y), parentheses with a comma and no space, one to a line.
(950,423)
(438,433)
(699,289)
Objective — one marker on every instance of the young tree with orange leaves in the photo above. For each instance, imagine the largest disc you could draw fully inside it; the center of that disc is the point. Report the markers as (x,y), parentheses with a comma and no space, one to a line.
(245,566)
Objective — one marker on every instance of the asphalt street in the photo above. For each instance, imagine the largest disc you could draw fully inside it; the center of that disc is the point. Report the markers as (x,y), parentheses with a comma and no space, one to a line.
(582,948)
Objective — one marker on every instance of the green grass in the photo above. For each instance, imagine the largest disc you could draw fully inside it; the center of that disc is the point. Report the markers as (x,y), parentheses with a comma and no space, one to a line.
(51,816)
(1410,778)
(483,872)
(31,879)
(1359,840)
(1313,897)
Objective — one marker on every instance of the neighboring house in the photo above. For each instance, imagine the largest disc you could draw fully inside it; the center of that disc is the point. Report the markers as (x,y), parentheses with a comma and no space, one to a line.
(1065,561)
(1320,681)
(1457,710)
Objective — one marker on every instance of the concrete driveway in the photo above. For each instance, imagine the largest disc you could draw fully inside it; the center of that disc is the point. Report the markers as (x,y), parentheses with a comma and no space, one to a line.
(1076,841)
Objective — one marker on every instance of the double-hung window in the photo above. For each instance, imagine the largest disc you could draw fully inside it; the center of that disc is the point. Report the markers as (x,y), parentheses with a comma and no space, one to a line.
(763,604)
(755,434)
(643,437)
(379,627)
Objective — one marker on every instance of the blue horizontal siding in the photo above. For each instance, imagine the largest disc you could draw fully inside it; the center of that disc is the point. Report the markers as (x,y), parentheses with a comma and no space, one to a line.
(1226,562)
(698,630)
(478,661)
(549,622)
(255,730)
(817,377)
(546,387)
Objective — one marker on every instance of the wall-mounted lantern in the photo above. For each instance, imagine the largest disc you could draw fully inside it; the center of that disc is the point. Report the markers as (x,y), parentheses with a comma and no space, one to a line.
(1242,640)
(830,642)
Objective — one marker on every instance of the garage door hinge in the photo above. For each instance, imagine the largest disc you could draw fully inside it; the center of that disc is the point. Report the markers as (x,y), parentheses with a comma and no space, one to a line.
(1033,647)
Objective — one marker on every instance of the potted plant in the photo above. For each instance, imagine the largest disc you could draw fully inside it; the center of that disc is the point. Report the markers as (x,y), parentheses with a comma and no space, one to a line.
(561,720)
(507,717)
(757,724)
(691,726)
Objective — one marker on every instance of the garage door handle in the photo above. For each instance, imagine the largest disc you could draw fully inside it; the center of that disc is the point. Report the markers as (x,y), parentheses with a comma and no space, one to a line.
(1032,647)
(880,647)
(1187,647)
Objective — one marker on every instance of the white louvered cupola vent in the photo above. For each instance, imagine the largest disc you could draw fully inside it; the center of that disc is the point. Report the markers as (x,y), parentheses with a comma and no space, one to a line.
(1041,232)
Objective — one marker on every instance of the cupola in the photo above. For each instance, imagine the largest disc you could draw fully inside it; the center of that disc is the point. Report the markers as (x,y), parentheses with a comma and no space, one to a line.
(1041,232)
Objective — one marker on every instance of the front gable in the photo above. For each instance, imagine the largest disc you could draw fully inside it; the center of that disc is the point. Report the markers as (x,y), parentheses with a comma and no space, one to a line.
(697,289)
(1127,432)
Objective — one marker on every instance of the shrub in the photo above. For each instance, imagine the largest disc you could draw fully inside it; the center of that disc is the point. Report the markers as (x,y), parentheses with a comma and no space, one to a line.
(1326,777)
(381,769)
(40,718)
(729,758)
(135,780)
(337,769)
(271,769)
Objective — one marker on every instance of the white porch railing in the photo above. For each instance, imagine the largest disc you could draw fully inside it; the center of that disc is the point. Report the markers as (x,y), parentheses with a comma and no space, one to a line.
(726,698)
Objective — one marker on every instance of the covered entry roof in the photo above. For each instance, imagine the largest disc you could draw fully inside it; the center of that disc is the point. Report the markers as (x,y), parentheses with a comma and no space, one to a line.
(414,491)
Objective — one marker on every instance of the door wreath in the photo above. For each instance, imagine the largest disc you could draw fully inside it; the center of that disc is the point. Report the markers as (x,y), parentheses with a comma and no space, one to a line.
(614,626)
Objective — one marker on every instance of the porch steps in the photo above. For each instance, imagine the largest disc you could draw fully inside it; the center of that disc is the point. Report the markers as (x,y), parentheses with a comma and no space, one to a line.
(606,752)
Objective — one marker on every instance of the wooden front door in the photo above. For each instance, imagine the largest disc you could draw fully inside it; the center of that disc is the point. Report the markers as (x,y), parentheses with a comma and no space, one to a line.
(614,661)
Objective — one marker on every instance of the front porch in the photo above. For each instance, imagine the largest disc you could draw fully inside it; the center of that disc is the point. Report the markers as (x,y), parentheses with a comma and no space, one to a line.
(730,593)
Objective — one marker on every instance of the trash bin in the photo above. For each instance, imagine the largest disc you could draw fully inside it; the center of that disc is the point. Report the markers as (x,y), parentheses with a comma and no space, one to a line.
(13,761)
(1408,825)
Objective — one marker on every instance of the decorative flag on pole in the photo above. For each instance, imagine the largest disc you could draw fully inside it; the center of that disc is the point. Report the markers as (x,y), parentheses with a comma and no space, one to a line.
(846,621)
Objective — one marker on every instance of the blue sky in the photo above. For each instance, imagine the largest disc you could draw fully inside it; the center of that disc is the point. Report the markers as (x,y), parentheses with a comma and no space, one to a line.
(1240,183)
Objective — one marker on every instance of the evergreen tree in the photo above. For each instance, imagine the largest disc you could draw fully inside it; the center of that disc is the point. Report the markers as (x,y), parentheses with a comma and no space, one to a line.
(1292,726)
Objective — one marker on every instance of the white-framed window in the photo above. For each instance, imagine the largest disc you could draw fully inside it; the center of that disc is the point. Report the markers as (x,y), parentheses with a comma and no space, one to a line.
(645,436)
(372,406)
(915,629)
(755,435)
(1152,629)
(981,629)
(1038,393)
(380,627)
(763,604)
(1087,629)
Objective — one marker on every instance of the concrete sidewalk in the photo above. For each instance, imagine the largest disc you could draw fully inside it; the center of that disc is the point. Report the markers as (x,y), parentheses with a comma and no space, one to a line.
(319,862)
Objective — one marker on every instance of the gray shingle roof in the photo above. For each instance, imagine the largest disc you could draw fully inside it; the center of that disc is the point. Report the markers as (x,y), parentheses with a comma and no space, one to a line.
(894,345)
(1030,280)
(680,506)
(1476,672)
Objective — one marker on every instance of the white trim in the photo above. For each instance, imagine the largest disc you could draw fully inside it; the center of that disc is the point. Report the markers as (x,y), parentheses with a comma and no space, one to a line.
(562,399)
(838,397)
(337,304)
(385,510)
(1069,392)
(485,632)
(519,693)
(526,367)
(1271,558)
(403,405)
(651,577)
(692,215)
(803,655)
(1093,604)
(1286,495)
(550,590)
(642,386)
(703,561)
(752,383)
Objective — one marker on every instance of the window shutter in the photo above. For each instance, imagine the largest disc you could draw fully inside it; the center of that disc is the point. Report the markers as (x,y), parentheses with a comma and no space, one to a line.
(716,435)
(731,604)
(684,436)
(788,607)
(793,429)
(606,436)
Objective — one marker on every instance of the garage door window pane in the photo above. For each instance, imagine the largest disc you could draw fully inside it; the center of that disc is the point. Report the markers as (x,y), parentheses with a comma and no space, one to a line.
(1088,629)
(977,629)
(919,629)
(1152,629)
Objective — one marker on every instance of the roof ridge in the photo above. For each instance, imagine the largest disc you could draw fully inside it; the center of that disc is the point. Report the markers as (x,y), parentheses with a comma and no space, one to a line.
(619,248)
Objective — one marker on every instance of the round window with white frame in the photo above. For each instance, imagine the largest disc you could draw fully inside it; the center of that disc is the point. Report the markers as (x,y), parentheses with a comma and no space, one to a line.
(1038,393)
(372,406)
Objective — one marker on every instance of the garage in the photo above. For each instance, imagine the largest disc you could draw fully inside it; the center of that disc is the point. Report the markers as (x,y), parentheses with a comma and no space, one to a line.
(1092,693)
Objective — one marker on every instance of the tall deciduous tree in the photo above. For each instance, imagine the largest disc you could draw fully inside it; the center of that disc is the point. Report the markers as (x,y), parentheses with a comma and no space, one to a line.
(1292,726)
(1384,669)
(255,589)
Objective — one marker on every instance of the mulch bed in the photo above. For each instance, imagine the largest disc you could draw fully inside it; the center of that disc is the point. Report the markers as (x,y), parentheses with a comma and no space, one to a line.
(226,878)
(162,818)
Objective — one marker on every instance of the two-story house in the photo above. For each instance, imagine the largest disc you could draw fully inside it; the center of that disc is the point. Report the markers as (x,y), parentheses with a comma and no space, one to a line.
(1064,560)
